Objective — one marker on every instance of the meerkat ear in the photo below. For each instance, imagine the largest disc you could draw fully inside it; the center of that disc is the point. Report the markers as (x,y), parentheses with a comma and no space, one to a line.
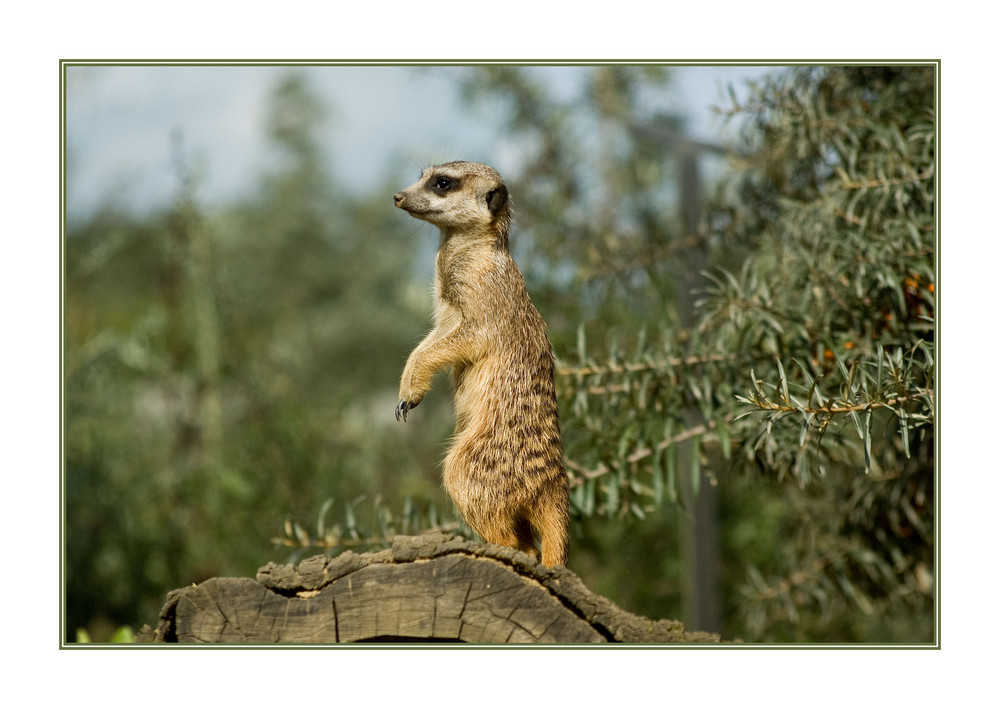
(496,199)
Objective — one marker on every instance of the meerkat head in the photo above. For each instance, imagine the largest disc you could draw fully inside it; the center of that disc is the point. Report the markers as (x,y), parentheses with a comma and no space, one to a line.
(460,197)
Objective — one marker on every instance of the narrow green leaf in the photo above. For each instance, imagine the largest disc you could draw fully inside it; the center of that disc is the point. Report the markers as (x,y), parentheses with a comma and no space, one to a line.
(857,424)
(840,365)
(756,578)
(671,461)
(349,519)
(382,517)
(611,493)
(658,469)
(878,370)
(868,441)
(643,390)
(724,442)
(321,520)
(640,346)
(694,389)
(124,634)
(849,392)
(812,390)
(904,432)
(408,514)
(782,381)
(626,440)
(576,496)
(696,465)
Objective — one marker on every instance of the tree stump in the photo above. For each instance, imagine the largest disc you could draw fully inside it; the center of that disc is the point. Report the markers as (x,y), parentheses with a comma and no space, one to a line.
(432,588)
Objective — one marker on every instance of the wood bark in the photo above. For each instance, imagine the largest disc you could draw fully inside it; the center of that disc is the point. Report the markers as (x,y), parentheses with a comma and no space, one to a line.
(427,589)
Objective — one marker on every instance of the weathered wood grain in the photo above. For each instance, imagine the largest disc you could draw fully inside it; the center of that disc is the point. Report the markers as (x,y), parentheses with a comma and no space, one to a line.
(430,588)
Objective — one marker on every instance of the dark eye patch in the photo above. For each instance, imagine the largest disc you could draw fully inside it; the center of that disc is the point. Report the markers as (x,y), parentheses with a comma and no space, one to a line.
(442,183)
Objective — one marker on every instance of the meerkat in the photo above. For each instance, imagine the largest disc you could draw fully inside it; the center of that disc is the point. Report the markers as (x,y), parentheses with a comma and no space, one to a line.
(504,470)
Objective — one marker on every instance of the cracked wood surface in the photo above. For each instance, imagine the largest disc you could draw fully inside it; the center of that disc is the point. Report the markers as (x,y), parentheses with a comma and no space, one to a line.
(429,588)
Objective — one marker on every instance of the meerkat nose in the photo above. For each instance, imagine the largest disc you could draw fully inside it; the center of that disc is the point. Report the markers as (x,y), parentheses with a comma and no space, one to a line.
(397,198)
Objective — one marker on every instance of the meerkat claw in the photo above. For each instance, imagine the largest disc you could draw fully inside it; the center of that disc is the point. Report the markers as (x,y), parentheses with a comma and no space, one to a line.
(402,407)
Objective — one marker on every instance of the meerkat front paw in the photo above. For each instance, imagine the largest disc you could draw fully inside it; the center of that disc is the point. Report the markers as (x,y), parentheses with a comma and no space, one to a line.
(403,406)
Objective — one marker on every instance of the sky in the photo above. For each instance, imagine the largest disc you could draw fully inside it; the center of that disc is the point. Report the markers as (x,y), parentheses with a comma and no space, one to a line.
(383,120)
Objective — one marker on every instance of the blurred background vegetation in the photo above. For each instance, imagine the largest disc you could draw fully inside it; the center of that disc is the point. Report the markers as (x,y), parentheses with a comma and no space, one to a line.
(747,357)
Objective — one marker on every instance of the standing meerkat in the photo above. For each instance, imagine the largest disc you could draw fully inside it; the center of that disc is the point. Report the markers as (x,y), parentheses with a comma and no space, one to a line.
(504,470)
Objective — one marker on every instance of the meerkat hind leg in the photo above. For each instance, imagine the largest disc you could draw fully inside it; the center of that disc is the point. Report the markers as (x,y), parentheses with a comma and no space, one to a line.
(516,533)
(525,537)
(551,522)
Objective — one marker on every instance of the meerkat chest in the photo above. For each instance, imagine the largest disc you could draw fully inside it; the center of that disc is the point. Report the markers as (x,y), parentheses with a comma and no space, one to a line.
(480,278)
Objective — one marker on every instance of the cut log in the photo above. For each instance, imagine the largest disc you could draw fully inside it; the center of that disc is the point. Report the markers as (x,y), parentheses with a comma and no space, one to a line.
(427,589)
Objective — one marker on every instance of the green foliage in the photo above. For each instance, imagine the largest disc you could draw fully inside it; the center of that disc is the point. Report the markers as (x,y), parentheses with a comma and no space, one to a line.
(847,262)
(122,635)
(367,523)
(811,364)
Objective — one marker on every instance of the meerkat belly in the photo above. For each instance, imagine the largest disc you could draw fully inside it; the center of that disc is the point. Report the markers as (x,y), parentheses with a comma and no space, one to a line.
(507,436)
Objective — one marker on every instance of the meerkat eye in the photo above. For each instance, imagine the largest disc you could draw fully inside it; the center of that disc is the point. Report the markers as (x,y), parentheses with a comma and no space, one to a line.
(443,184)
